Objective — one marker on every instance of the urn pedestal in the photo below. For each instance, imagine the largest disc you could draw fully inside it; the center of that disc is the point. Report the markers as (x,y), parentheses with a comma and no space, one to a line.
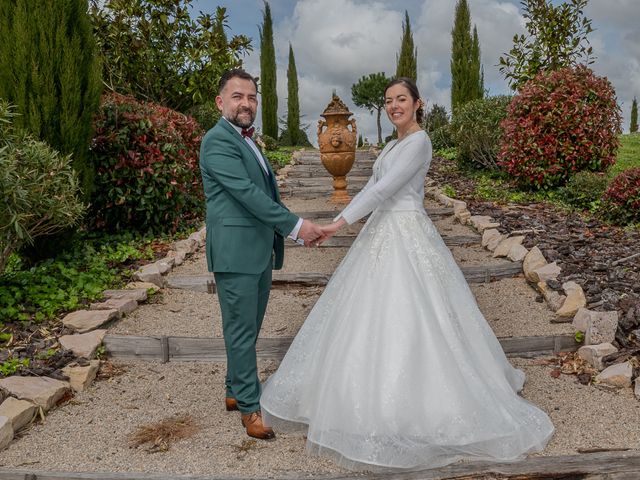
(337,137)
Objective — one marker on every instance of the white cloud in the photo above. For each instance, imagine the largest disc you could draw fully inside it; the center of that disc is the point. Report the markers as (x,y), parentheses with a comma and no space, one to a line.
(338,41)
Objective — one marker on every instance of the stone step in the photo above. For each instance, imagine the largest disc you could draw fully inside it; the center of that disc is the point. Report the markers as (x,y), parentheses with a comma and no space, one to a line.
(473,274)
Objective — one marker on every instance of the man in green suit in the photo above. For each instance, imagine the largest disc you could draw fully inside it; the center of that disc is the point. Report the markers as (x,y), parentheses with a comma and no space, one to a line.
(246,226)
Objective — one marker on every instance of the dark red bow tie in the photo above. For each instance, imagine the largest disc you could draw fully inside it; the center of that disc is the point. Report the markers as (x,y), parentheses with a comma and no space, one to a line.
(248,132)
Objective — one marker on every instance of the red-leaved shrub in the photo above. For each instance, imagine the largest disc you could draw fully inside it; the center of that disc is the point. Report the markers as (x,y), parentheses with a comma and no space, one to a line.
(560,123)
(622,196)
(146,162)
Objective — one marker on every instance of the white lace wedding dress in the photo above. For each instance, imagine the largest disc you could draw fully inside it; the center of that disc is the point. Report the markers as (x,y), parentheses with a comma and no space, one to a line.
(395,366)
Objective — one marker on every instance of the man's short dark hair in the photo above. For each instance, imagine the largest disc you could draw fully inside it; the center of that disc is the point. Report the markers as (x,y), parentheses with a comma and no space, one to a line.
(235,73)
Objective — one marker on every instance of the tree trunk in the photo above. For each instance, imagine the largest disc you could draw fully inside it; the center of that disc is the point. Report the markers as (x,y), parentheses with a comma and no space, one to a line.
(379,127)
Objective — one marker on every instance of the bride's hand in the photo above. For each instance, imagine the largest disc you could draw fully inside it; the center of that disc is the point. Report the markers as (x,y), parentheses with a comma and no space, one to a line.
(331,229)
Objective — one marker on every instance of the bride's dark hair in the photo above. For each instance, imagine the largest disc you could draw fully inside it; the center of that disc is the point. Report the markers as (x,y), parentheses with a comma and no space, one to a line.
(413,90)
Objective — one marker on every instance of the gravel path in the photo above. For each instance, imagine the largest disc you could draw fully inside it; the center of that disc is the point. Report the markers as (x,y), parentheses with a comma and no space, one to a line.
(90,432)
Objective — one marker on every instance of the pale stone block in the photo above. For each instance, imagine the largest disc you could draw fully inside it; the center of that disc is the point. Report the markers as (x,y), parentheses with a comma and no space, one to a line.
(84,344)
(494,242)
(138,294)
(151,274)
(83,321)
(553,299)
(489,235)
(122,305)
(178,257)
(517,253)
(618,375)
(462,216)
(20,412)
(636,390)
(505,246)
(188,246)
(550,271)
(146,285)
(533,261)
(6,432)
(43,391)
(575,300)
(582,320)
(80,377)
(165,265)
(602,328)
(593,354)
(482,222)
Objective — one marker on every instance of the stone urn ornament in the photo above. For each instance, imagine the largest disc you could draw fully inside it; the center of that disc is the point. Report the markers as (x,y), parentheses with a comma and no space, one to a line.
(337,146)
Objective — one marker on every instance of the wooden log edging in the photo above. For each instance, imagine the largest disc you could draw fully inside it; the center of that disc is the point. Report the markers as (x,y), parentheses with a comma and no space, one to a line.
(341,241)
(612,465)
(330,214)
(212,349)
(206,282)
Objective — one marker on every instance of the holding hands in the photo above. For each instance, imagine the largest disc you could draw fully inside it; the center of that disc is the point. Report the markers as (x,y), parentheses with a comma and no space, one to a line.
(314,235)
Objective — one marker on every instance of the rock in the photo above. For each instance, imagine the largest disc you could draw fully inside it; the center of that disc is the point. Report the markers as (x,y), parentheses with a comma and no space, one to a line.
(493,243)
(553,298)
(178,257)
(197,237)
(482,222)
(85,344)
(80,377)
(490,235)
(533,261)
(6,432)
(122,305)
(203,235)
(151,274)
(602,328)
(462,216)
(83,321)
(636,390)
(550,271)
(505,246)
(592,354)
(146,285)
(618,375)
(458,206)
(20,412)
(517,253)
(165,264)
(188,246)
(575,300)
(137,294)
(43,391)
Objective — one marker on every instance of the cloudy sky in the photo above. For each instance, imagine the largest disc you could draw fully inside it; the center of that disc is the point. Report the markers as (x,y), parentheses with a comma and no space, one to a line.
(336,42)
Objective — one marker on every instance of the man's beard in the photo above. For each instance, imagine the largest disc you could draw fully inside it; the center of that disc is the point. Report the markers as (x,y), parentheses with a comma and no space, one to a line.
(238,122)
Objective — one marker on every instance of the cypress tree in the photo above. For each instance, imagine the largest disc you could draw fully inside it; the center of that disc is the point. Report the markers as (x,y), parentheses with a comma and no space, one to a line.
(293,104)
(268,76)
(634,116)
(50,69)
(407,63)
(466,77)
(476,71)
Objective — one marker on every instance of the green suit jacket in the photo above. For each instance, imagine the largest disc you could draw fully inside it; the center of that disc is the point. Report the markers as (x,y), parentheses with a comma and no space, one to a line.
(245,224)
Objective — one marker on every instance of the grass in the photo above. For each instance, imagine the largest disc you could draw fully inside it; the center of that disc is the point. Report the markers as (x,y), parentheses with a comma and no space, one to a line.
(628,154)
(160,435)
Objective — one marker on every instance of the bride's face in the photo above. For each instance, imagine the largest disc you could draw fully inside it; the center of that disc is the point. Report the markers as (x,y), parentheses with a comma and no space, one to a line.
(400,106)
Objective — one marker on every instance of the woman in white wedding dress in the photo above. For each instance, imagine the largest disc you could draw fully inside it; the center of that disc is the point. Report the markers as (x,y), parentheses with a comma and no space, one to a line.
(396,366)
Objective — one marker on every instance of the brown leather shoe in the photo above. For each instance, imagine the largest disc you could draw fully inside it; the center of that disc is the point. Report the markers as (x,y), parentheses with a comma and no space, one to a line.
(230,404)
(255,428)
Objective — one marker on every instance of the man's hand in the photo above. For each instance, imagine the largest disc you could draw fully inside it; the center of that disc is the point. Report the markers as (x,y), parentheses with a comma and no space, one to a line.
(310,233)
